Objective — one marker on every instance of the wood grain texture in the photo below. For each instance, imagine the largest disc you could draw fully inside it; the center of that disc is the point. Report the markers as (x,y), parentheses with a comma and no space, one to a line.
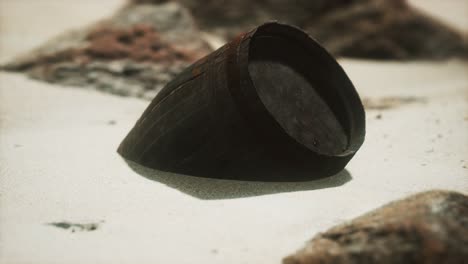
(221,117)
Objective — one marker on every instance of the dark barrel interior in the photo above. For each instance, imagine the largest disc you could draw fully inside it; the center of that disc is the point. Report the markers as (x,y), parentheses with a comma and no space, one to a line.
(293,82)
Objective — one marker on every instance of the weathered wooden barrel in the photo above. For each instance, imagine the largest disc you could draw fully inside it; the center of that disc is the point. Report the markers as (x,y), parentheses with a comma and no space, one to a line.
(270,105)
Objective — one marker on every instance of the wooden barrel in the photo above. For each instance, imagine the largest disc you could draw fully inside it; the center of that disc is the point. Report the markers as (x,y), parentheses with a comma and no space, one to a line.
(270,105)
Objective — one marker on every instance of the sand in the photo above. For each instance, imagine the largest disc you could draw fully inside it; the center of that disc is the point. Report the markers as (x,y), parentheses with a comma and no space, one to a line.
(58,163)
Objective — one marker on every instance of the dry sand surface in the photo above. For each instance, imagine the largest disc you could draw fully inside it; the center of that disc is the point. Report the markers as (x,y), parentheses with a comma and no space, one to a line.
(67,197)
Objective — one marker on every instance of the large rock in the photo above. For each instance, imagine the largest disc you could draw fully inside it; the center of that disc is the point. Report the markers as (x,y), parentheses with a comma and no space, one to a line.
(377,29)
(133,53)
(382,29)
(430,227)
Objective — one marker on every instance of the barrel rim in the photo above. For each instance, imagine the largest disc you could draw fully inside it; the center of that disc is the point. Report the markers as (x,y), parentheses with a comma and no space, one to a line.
(348,96)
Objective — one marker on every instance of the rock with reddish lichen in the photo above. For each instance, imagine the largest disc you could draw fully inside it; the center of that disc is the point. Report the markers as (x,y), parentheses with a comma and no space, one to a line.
(430,227)
(133,53)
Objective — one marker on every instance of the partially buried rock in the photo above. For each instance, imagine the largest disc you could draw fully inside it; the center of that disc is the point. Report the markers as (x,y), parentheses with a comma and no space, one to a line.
(133,53)
(430,227)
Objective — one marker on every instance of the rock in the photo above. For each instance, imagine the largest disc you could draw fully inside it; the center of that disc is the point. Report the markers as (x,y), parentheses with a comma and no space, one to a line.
(134,53)
(381,29)
(430,227)
(391,102)
(229,18)
(376,29)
